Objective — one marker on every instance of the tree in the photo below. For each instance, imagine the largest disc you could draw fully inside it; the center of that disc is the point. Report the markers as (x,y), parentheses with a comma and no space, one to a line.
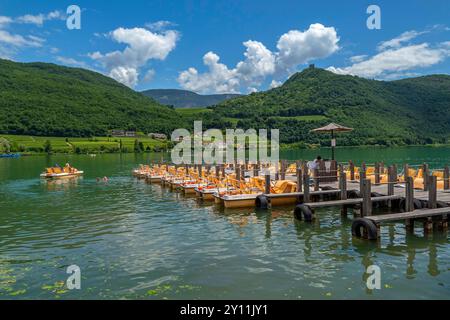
(48,146)
(5,146)
(137,147)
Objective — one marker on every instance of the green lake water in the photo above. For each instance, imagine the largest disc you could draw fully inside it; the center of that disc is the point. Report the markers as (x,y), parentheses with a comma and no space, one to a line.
(138,241)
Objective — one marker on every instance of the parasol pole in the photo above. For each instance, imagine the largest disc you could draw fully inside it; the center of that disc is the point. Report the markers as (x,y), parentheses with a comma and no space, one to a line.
(333,144)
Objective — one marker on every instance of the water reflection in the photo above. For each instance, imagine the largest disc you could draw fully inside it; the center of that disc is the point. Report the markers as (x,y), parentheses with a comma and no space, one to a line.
(135,240)
(395,242)
(61,184)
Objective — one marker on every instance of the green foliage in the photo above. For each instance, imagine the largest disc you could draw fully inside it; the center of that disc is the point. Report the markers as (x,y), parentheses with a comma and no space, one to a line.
(78,145)
(410,111)
(48,100)
(48,146)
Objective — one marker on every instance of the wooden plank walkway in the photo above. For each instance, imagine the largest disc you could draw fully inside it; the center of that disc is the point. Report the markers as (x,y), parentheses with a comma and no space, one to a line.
(442,195)
(297,194)
(416,214)
(336,203)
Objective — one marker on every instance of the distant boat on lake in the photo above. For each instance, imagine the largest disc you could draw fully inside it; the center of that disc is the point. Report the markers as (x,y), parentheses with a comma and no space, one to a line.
(10,155)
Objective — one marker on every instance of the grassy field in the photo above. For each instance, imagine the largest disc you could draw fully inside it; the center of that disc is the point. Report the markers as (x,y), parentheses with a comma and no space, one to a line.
(31,144)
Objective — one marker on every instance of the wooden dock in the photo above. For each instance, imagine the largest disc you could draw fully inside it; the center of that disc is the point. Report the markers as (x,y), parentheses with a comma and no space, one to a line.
(356,189)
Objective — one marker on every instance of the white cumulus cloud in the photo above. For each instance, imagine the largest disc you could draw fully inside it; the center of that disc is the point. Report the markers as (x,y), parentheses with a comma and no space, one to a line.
(142,46)
(398,41)
(17,40)
(71,62)
(39,19)
(294,48)
(397,58)
(218,77)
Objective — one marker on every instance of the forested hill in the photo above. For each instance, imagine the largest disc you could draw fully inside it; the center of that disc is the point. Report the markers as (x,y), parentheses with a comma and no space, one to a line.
(409,111)
(185,98)
(47,99)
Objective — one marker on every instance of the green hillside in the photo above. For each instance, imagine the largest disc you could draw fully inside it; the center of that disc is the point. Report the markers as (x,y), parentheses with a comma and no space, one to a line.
(410,111)
(49,100)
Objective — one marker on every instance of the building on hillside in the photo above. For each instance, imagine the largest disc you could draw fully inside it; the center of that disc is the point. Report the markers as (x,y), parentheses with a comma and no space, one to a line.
(123,133)
(131,134)
(118,133)
(160,136)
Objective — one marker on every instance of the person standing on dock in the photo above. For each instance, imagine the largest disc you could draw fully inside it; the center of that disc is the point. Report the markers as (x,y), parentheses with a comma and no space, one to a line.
(313,165)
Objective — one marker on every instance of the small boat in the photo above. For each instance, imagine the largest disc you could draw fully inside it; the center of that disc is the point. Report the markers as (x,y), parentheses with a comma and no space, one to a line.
(10,155)
(189,188)
(207,193)
(240,200)
(61,173)
(153,178)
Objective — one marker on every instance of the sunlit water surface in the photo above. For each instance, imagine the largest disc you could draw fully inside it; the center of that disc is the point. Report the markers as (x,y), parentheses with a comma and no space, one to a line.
(134,240)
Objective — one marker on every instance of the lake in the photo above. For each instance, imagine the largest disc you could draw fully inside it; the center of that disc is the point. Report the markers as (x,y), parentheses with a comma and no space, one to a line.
(132,240)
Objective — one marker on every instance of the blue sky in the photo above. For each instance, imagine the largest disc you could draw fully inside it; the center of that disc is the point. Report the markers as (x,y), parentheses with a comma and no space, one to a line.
(229,46)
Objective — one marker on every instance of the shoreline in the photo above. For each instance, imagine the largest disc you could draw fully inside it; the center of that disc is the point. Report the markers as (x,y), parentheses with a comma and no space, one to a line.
(31,154)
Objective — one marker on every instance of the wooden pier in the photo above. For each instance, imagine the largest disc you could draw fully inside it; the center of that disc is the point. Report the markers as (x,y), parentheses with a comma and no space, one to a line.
(358,188)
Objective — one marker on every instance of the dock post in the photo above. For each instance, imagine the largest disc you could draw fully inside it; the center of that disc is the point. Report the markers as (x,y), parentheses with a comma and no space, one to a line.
(425,173)
(306,195)
(222,168)
(432,192)
(343,185)
(316,180)
(428,225)
(409,194)
(446,178)
(299,180)
(217,172)
(409,202)
(377,173)
(343,188)
(362,174)
(255,170)
(283,169)
(391,180)
(406,171)
(352,170)
(366,194)
(238,173)
(267,186)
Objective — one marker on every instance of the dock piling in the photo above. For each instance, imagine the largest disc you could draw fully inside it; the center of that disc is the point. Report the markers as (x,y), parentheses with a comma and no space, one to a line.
(432,192)
(409,194)
(352,170)
(299,179)
(377,173)
(267,185)
(366,193)
(446,178)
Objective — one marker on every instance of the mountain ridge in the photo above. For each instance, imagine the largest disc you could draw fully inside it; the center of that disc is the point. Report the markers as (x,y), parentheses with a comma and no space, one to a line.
(47,99)
(406,111)
(186,99)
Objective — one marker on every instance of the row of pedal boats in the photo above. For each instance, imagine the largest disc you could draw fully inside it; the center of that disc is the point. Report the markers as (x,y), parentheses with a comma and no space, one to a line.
(223,190)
